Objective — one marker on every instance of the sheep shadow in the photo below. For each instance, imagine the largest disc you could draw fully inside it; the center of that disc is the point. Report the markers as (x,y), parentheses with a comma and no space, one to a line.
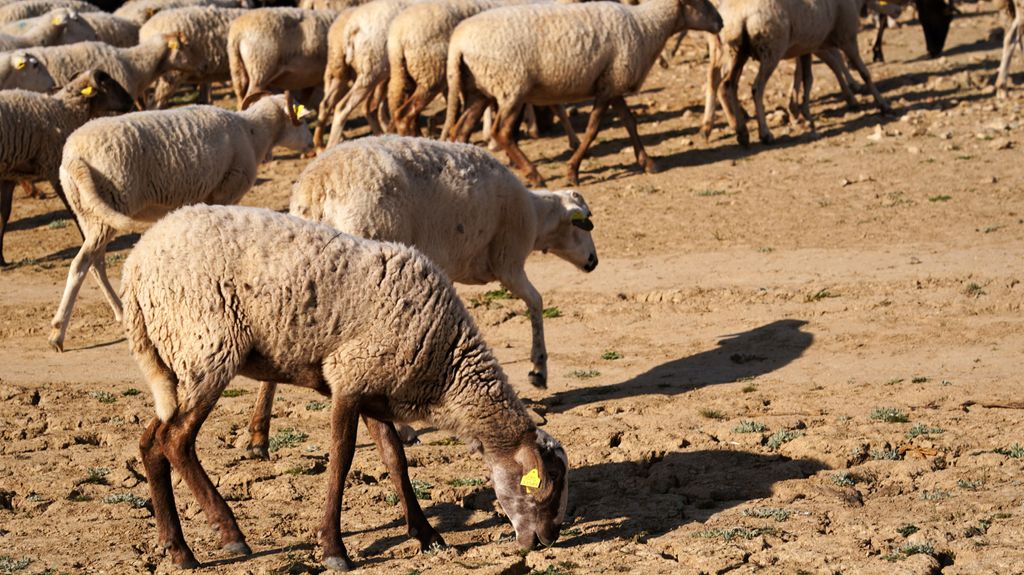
(761,350)
(40,220)
(638,499)
(124,242)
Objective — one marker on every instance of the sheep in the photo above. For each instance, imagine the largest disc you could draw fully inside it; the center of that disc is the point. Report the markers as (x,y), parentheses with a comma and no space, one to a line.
(454,202)
(134,68)
(21,70)
(283,48)
(935,17)
(139,11)
(376,326)
(153,162)
(36,125)
(336,5)
(112,29)
(556,54)
(59,26)
(31,8)
(770,30)
(1013,36)
(206,28)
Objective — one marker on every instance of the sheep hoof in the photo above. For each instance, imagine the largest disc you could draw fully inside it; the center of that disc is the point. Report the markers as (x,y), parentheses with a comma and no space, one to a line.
(56,341)
(538,379)
(187,564)
(743,138)
(238,548)
(339,563)
(432,543)
(767,139)
(1001,94)
(705,132)
(256,452)
(650,166)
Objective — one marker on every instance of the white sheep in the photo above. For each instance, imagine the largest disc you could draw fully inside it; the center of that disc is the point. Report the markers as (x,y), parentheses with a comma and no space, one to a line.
(1013,36)
(112,29)
(336,5)
(206,28)
(134,68)
(35,126)
(555,54)
(19,70)
(139,11)
(152,162)
(32,8)
(213,292)
(58,26)
(770,30)
(283,48)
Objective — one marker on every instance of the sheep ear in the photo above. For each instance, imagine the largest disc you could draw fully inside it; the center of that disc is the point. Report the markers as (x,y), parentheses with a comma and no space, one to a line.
(581,220)
(183,38)
(533,480)
(19,61)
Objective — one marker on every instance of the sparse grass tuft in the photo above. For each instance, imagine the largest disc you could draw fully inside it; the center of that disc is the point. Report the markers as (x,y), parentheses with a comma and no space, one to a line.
(551,312)
(709,193)
(734,533)
(471,482)
(889,415)
(57,224)
(819,295)
(750,427)
(886,454)
(922,429)
(974,290)
(233,392)
(894,381)
(421,489)
(9,564)
(749,388)
(490,296)
(134,500)
(907,529)
(392,498)
(844,479)
(936,495)
(584,373)
(969,485)
(777,513)
(709,413)
(940,198)
(1015,451)
(96,476)
(611,355)
(103,396)
(130,392)
(450,440)
(780,437)
(316,405)
(286,437)
(919,379)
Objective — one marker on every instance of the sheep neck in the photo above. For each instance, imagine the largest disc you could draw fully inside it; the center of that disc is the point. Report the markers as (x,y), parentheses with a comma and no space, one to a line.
(657,20)
(265,122)
(145,61)
(547,207)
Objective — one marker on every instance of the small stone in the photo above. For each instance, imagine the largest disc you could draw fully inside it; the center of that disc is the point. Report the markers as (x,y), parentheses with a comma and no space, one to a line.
(844,182)
(913,150)
(947,135)
(1000,144)
(877,135)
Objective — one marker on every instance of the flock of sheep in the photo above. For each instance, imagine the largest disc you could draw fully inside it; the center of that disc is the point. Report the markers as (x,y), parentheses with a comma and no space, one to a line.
(330,297)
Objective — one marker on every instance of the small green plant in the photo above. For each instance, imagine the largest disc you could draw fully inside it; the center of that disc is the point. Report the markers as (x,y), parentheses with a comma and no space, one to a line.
(551,312)
(819,295)
(286,437)
(886,454)
(781,437)
(392,498)
(974,290)
(734,533)
(922,429)
(894,381)
(936,495)
(940,198)
(96,476)
(421,489)
(919,379)
(450,440)
(709,413)
(889,415)
(131,391)
(103,396)
(749,388)
(493,295)
(57,224)
(907,529)
(9,564)
(551,570)
(134,500)
(844,479)
(750,427)
(1015,451)
(316,405)
(112,259)
(710,193)
(584,373)
(471,482)
(777,513)
(233,392)
(969,485)
(611,355)
(572,532)
(765,250)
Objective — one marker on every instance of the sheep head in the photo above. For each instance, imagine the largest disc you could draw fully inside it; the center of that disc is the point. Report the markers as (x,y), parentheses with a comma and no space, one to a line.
(532,485)
(102,94)
(699,15)
(566,231)
(23,70)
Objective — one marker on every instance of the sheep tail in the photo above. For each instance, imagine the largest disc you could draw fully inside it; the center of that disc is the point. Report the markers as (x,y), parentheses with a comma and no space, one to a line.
(239,75)
(76,178)
(163,384)
(454,77)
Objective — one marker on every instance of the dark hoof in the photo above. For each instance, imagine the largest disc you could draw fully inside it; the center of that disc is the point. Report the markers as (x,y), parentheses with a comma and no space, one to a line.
(743,138)
(651,167)
(256,452)
(538,380)
(189,564)
(238,548)
(433,544)
(339,563)
(767,139)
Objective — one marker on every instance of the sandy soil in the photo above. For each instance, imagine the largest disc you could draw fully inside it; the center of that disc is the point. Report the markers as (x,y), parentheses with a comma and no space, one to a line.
(721,382)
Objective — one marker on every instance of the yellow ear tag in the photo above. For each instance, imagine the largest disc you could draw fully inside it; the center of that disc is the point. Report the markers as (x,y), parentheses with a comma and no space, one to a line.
(172,44)
(299,110)
(19,64)
(56,21)
(577,217)
(531,480)
(87,91)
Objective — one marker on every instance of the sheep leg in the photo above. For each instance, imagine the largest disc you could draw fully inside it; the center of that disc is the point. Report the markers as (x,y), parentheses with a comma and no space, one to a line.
(530,118)
(570,133)
(764,71)
(834,60)
(645,162)
(179,446)
(6,201)
(389,446)
(94,246)
(332,93)
(161,494)
(1010,39)
(404,119)
(808,80)
(521,287)
(99,272)
(794,90)
(344,419)
(375,110)
(593,126)
(475,107)
(504,125)
(259,424)
(881,22)
(359,92)
(714,80)
(728,93)
(853,56)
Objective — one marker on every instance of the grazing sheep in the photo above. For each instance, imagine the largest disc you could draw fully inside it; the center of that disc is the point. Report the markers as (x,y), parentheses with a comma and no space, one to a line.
(364,47)
(206,28)
(19,70)
(153,162)
(134,68)
(283,48)
(59,26)
(454,202)
(32,8)
(36,125)
(139,11)
(376,326)
(770,30)
(935,17)
(112,29)
(556,54)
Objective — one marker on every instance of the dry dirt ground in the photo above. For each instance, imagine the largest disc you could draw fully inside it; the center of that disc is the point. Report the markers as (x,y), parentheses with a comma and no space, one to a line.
(801,358)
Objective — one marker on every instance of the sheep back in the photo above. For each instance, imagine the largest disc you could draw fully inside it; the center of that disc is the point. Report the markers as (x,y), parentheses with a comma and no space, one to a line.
(206,29)
(33,128)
